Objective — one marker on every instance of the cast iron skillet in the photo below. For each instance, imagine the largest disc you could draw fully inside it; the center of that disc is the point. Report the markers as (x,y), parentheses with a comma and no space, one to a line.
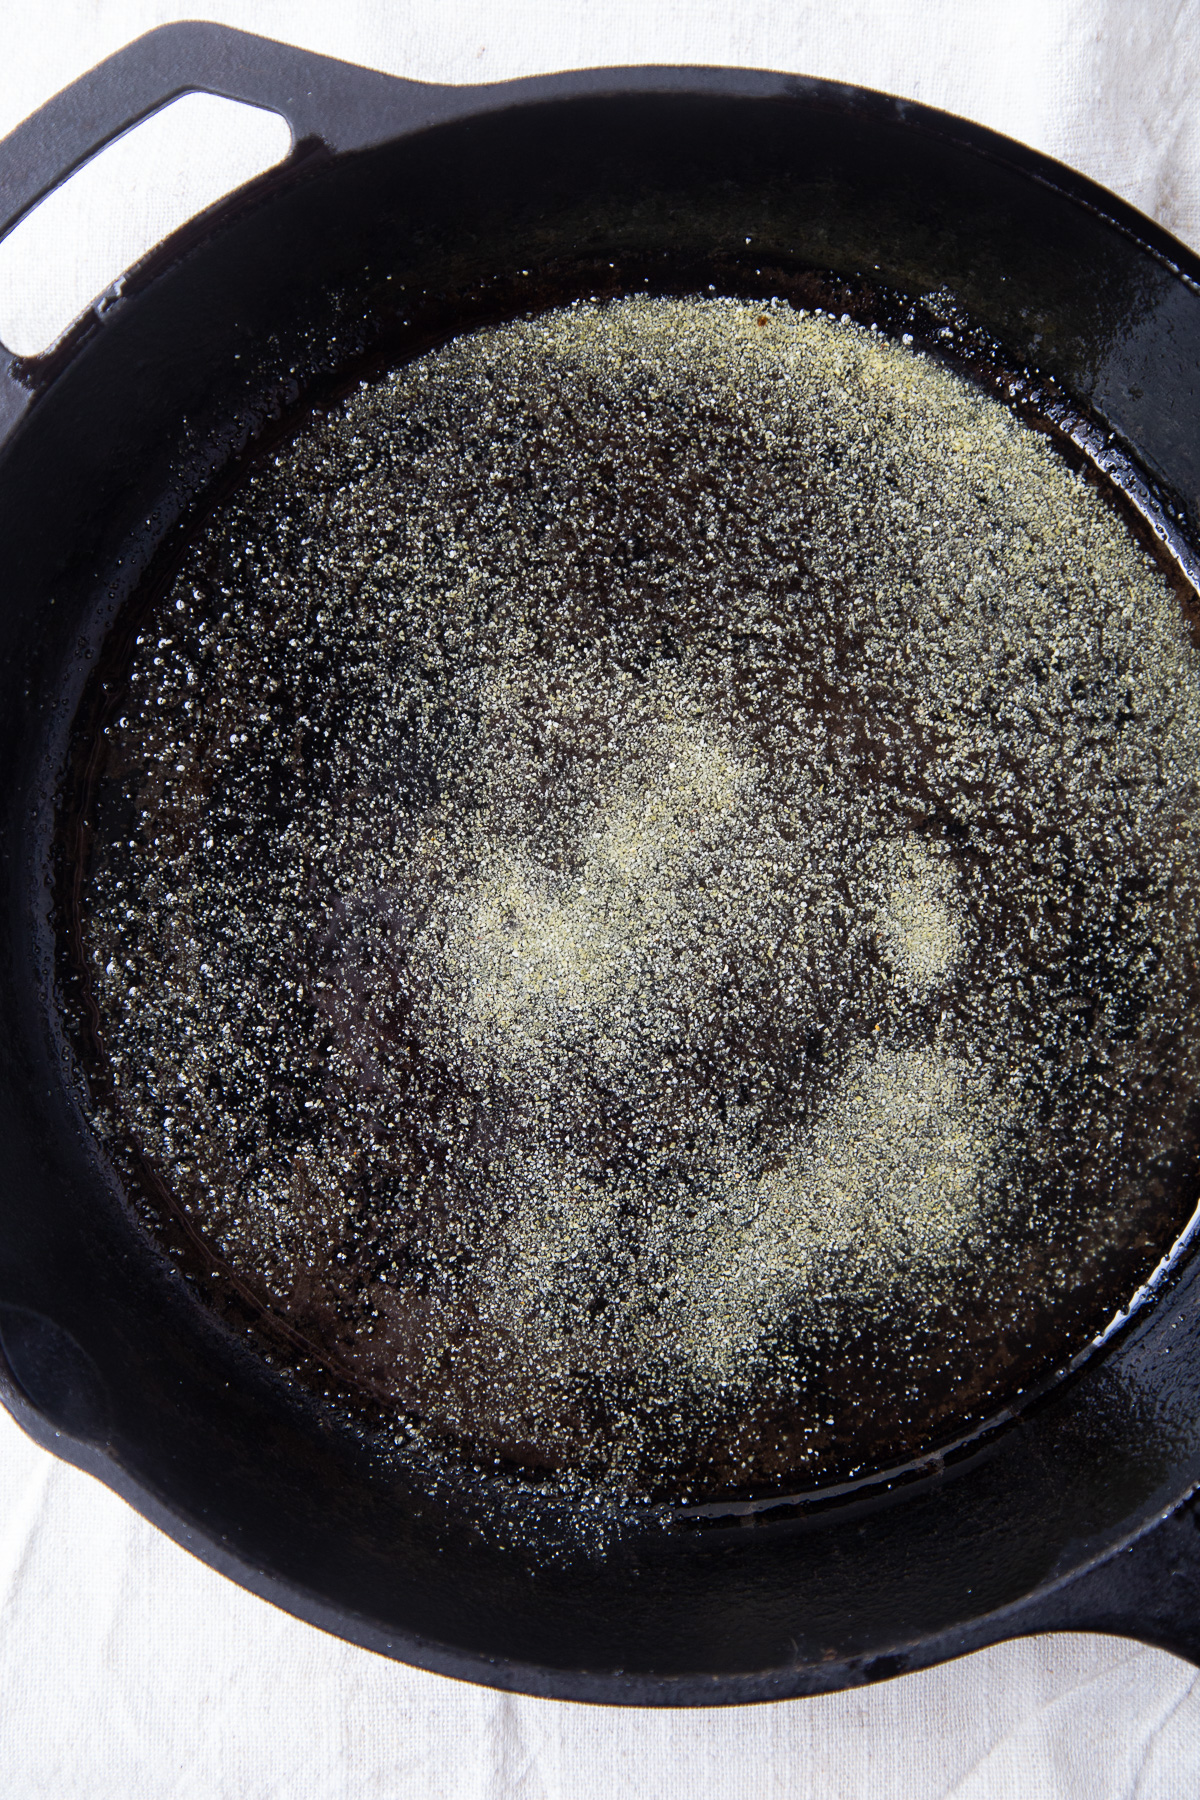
(404,212)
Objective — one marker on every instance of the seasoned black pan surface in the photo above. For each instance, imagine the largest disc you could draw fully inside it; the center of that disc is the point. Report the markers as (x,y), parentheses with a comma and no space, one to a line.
(739,1553)
(634,892)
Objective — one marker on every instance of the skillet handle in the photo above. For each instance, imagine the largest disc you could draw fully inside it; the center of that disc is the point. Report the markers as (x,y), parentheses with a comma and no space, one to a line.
(343,106)
(335,104)
(1149,1591)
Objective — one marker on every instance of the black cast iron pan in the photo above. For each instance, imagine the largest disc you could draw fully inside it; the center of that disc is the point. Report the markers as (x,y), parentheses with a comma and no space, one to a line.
(481,203)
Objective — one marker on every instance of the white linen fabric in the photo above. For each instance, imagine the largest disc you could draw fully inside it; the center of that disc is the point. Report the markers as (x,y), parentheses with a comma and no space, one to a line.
(128,1671)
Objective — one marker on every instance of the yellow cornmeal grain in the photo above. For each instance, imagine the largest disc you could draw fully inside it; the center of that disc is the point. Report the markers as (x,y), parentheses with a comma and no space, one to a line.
(653,919)
(921,925)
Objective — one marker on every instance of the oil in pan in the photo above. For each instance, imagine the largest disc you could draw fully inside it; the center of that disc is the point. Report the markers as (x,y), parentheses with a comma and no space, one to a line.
(641,895)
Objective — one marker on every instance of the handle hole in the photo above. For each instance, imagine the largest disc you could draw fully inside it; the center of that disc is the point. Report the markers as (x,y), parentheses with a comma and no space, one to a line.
(79,240)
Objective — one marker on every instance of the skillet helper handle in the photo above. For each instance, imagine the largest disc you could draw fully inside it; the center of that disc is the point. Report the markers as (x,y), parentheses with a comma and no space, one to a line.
(338,104)
(325,103)
(1149,1591)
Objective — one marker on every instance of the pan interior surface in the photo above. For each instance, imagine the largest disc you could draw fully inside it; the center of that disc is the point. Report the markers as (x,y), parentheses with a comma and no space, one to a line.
(633,902)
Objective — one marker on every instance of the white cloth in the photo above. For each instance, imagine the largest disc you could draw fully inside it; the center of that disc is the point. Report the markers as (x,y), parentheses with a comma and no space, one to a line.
(130,1672)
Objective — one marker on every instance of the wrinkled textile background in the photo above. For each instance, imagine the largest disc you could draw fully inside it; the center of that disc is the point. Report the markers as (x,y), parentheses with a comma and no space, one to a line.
(130,1672)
